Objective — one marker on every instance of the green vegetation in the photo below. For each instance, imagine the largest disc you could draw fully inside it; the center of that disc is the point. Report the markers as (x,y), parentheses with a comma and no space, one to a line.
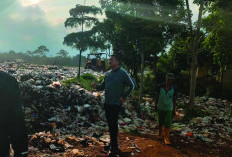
(152,38)
(82,16)
(85,81)
(149,85)
(100,79)
(196,112)
(43,60)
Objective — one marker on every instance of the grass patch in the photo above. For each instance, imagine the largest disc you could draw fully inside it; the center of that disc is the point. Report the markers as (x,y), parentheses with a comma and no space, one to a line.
(85,81)
(100,79)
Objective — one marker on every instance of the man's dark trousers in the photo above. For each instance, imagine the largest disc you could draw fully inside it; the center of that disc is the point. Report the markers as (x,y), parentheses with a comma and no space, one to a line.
(112,112)
(4,147)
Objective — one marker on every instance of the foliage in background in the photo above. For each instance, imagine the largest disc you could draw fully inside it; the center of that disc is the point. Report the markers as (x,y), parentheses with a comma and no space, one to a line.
(132,27)
(43,60)
(218,25)
(62,53)
(149,86)
(41,51)
(196,112)
(140,30)
(144,27)
(82,17)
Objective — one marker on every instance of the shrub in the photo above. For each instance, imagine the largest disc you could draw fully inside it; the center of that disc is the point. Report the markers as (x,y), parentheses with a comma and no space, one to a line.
(196,112)
(85,81)
(149,85)
(89,76)
(100,79)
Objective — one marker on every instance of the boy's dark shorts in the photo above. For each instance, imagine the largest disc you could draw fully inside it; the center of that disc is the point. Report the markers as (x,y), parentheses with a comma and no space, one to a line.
(165,118)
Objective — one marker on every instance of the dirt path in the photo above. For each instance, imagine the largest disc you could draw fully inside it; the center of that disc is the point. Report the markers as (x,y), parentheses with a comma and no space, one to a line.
(148,147)
(130,145)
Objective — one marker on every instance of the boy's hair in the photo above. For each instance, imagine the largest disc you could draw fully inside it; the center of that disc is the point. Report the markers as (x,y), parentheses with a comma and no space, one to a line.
(116,57)
(170,76)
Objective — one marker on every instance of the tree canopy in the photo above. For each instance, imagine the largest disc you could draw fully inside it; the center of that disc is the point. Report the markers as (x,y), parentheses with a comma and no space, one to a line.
(81,19)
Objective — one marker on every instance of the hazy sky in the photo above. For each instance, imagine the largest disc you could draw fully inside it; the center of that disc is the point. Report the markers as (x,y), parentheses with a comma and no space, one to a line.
(27,24)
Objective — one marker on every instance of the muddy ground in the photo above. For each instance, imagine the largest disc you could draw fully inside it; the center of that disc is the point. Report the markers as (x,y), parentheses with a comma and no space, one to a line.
(142,146)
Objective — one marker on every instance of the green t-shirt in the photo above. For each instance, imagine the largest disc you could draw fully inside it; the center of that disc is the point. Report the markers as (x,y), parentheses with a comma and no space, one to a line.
(165,101)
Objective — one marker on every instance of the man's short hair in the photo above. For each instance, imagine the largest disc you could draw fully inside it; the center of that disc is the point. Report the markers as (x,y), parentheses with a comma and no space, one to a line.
(116,57)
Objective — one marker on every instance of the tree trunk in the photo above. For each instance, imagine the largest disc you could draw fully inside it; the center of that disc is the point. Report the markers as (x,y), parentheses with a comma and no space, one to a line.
(194,51)
(193,80)
(82,30)
(109,50)
(79,66)
(142,75)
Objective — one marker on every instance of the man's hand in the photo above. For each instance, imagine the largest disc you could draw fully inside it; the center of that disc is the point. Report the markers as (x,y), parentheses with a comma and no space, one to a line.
(122,100)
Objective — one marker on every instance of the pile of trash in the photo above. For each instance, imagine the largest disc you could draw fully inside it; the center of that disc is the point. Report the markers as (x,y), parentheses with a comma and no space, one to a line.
(214,126)
(70,108)
(49,105)
(69,144)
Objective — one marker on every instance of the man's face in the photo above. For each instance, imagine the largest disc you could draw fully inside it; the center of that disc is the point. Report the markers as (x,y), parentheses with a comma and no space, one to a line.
(113,62)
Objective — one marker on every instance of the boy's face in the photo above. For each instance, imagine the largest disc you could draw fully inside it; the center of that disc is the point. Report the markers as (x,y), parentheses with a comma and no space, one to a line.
(168,81)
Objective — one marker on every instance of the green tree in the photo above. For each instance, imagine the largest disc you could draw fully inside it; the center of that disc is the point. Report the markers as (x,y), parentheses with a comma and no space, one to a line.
(81,17)
(12,52)
(41,51)
(193,45)
(218,25)
(62,53)
(141,29)
(29,53)
(180,53)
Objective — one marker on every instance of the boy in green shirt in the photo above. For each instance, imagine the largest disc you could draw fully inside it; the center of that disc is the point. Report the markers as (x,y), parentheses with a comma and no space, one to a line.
(166,101)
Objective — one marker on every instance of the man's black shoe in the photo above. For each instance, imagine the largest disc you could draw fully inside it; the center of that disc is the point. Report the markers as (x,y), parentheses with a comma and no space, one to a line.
(115,152)
(107,147)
